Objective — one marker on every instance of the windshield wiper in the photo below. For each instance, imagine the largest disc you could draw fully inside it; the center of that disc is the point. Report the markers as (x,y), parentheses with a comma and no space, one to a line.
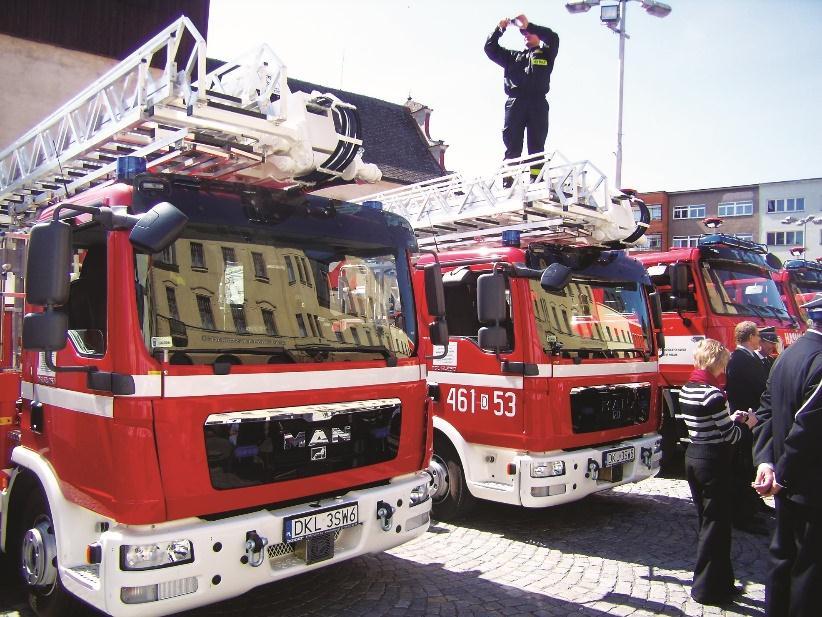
(318,350)
(742,308)
(778,314)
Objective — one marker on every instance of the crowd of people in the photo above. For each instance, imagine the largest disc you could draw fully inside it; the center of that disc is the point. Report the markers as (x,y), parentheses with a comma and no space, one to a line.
(768,414)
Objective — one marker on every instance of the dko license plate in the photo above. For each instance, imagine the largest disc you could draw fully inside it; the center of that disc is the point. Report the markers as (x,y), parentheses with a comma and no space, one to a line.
(320,521)
(618,456)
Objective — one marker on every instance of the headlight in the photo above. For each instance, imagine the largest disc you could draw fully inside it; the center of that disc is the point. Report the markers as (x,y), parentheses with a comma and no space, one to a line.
(419,494)
(549,469)
(159,555)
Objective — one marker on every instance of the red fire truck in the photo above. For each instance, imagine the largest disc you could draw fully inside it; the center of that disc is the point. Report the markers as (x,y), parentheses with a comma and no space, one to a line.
(548,390)
(799,281)
(705,291)
(229,389)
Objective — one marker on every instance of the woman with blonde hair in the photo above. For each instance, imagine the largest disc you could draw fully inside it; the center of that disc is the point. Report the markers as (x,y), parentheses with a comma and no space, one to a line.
(708,464)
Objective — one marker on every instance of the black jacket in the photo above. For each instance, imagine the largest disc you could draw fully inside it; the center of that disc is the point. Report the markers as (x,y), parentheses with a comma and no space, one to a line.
(527,72)
(789,433)
(745,380)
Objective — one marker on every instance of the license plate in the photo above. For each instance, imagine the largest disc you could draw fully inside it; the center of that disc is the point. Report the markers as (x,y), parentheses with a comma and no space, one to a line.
(320,521)
(618,456)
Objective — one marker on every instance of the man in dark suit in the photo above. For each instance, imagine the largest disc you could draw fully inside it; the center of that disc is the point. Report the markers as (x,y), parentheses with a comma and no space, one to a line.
(746,376)
(788,440)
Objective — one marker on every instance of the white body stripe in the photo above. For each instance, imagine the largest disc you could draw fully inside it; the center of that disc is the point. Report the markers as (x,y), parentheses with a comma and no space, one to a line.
(216,385)
(591,370)
(83,402)
(147,385)
(476,379)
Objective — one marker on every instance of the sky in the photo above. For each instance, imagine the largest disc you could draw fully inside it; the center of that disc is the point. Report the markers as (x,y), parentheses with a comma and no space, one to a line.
(718,93)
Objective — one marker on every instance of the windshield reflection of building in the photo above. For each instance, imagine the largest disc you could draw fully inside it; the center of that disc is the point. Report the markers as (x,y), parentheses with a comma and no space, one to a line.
(212,294)
(587,316)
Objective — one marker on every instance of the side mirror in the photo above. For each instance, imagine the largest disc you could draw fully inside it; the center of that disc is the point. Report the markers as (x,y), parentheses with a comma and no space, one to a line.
(438,332)
(679,280)
(555,277)
(491,298)
(49,262)
(773,261)
(45,331)
(434,294)
(494,337)
(158,228)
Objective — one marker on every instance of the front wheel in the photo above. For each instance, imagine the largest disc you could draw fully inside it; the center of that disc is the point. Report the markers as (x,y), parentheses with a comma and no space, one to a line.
(450,497)
(36,550)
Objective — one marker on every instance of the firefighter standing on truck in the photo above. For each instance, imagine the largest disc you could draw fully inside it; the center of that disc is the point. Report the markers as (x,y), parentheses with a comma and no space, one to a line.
(527,79)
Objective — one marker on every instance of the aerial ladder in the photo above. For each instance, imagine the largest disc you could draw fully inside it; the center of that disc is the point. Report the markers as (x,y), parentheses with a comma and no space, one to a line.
(567,203)
(238,122)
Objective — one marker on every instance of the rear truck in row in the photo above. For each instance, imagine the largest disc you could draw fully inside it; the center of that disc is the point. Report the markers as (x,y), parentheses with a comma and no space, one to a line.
(548,391)
(705,291)
(217,383)
(798,281)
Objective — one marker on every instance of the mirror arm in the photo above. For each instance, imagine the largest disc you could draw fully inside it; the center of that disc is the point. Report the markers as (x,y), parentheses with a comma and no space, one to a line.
(66,369)
(101,212)
(92,209)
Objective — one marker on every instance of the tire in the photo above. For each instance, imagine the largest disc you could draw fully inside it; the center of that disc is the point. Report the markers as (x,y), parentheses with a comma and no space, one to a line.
(35,554)
(672,461)
(451,499)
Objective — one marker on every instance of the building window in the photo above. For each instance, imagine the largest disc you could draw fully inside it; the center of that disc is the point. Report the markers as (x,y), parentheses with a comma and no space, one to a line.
(289,267)
(300,269)
(356,336)
(307,269)
(169,256)
(656,212)
(690,212)
(791,204)
(171,298)
(238,315)
(685,241)
(786,238)
(301,326)
(270,323)
(654,243)
(198,261)
(260,270)
(206,315)
(229,256)
(736,208)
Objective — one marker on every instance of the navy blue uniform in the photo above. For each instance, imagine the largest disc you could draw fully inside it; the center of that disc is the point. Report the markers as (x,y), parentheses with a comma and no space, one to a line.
(788,437)
(527,79)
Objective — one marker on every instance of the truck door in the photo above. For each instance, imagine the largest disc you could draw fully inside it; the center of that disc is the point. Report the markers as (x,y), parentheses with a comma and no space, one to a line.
(478,397)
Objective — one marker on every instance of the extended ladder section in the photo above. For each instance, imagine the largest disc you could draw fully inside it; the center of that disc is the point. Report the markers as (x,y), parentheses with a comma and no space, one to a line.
(564,203)
(238,122)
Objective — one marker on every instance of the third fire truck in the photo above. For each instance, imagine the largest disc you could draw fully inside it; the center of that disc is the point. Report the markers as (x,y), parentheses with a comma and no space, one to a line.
(705,291)
(799,281)
(548,390)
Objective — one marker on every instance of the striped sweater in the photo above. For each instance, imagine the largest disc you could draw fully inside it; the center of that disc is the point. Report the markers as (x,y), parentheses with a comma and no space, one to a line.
(705,411)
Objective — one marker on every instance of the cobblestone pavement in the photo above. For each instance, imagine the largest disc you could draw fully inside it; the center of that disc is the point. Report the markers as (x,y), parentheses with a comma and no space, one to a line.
(627,551)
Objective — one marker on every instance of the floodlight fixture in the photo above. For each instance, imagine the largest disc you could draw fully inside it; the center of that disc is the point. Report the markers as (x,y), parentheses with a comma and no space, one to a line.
(580,6)
(713,222)
(797,251)
(655,8)
(609,15)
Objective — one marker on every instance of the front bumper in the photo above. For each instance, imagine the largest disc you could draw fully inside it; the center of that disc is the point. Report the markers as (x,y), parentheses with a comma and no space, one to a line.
(584,472)
(222,568)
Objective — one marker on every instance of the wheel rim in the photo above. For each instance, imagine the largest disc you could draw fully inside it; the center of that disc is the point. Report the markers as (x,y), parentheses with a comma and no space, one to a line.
(439,478)
(39,553)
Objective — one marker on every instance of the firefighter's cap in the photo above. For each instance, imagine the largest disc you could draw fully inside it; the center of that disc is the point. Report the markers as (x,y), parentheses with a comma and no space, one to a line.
(769,334)
(814,308)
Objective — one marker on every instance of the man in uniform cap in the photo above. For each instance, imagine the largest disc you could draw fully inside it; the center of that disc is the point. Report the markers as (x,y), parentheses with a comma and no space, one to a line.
(787,443)
(768,346)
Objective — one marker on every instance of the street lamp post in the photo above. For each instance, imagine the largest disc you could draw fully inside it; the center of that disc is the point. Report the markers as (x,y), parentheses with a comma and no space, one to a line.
(792,220)
(612,14)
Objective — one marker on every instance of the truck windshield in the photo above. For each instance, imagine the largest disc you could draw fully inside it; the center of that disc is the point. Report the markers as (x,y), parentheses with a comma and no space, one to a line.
(803,292)
(591,318)
(241,297)
(740,289)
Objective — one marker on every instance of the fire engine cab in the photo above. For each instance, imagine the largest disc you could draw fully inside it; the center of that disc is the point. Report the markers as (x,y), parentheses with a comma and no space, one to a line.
(219,380)
(548,389)
(798,281)
(705,291)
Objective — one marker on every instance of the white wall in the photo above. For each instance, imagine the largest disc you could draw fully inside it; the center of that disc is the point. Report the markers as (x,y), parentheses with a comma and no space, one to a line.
(811,190)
